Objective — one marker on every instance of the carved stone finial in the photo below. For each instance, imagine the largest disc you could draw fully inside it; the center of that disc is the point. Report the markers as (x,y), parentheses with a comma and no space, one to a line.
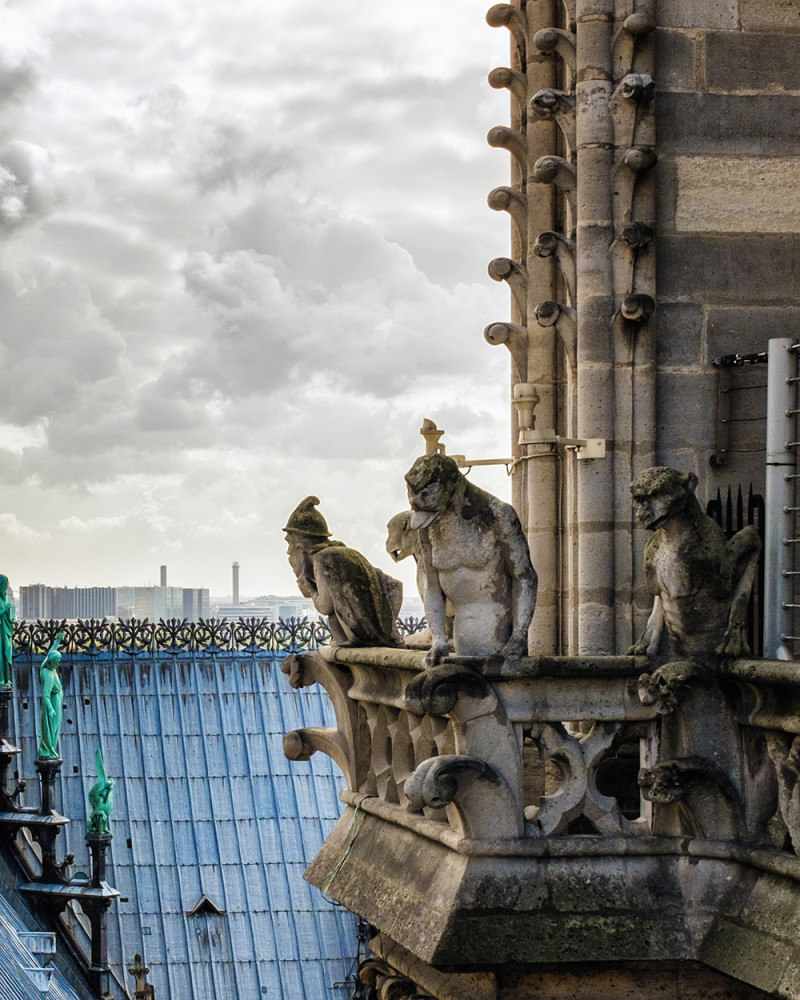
(142,990)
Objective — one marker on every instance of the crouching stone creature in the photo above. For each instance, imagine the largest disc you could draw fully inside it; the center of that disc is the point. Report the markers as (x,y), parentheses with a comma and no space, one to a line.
(474,555)
(360,601)
(700,581)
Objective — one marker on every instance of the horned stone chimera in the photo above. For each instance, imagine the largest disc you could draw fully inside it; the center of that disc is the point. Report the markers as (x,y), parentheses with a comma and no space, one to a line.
(475,556)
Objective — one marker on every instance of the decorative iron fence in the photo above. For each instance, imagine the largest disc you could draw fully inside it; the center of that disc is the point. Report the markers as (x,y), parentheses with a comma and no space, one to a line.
(732,517)
(133,637)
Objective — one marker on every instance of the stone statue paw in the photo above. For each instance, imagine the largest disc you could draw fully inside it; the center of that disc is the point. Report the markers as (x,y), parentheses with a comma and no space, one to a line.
(640,648)
(436,653)
(733,643)
(515,648)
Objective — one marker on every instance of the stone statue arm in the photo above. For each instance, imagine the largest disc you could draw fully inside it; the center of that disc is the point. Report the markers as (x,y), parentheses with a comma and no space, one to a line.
(433,601)
(48,684)
(650,638)
(524,581)
(744,548)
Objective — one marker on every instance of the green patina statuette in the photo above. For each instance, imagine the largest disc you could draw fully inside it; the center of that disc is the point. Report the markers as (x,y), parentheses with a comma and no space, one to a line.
(101,799)
(7,616)
(52,702)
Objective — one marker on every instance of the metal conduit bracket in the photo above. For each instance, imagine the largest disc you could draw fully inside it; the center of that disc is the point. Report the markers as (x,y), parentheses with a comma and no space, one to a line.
(583,447)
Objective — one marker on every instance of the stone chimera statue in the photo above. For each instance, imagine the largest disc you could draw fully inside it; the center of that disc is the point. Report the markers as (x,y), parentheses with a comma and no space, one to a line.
(473,555)
(360,601)
(700,581)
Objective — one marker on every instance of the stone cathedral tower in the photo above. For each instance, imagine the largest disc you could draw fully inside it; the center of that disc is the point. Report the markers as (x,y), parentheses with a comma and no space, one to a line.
(654,215)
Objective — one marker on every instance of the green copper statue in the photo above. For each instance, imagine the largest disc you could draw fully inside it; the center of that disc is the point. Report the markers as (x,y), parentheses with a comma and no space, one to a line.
(52,701)
(6,633)
(101,799)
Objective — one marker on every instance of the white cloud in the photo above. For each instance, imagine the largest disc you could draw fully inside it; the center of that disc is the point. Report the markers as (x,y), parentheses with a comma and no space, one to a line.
(240,264)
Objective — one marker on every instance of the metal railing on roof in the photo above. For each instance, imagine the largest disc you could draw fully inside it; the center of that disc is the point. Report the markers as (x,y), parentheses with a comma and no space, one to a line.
(135,636)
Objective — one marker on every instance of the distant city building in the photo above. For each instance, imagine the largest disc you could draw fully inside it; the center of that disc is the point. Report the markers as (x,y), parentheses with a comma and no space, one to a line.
(40,601)
(271,608)
(162,602)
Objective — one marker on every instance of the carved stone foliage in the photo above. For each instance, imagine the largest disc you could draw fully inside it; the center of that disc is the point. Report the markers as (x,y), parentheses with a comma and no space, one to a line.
(386,983)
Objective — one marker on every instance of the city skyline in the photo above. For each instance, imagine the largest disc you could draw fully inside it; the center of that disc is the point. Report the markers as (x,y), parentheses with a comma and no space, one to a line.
(240,264)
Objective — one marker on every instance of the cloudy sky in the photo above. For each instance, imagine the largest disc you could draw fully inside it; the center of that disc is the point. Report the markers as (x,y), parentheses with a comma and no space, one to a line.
(243,253)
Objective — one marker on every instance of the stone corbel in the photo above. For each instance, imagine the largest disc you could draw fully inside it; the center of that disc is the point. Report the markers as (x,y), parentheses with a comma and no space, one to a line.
(302,744)
(516,277)
(347,748)
(558,106)
(479,803)
(504,15)
(550,244)
(503,137)
(577,762)
(515,338)
(480,725)
(635,161)
(623,47)
(503,78)
(451,689)
(513,201)
(637,308)
(565,319)
(561,42)
(556,170)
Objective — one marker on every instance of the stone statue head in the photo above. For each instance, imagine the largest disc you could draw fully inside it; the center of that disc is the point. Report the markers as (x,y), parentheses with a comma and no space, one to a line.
(305,520)
(660,492)
(431,482)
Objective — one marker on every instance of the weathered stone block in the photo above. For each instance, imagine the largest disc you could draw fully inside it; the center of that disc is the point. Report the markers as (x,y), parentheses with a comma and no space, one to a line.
(675,58)
(698,13)
(686,412)
(728,124)
(745,954)
(738,195)
(750,61)
(679,334)
(760,14)
(717,269)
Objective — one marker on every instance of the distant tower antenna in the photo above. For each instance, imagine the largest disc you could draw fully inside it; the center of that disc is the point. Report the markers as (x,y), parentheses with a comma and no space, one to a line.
(235,568)
(163,576)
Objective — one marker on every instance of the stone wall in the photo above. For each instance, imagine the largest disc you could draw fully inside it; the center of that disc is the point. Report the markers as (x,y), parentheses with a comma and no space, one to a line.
(728,111)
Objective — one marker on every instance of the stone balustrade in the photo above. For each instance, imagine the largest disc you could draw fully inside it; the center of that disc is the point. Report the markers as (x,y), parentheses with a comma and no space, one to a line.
(572,808)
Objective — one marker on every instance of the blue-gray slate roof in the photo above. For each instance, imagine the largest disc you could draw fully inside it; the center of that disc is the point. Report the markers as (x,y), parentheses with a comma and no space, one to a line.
(26,971)
(206,805)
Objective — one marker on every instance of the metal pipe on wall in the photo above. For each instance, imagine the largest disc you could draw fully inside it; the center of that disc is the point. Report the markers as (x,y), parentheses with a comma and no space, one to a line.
(779,499)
